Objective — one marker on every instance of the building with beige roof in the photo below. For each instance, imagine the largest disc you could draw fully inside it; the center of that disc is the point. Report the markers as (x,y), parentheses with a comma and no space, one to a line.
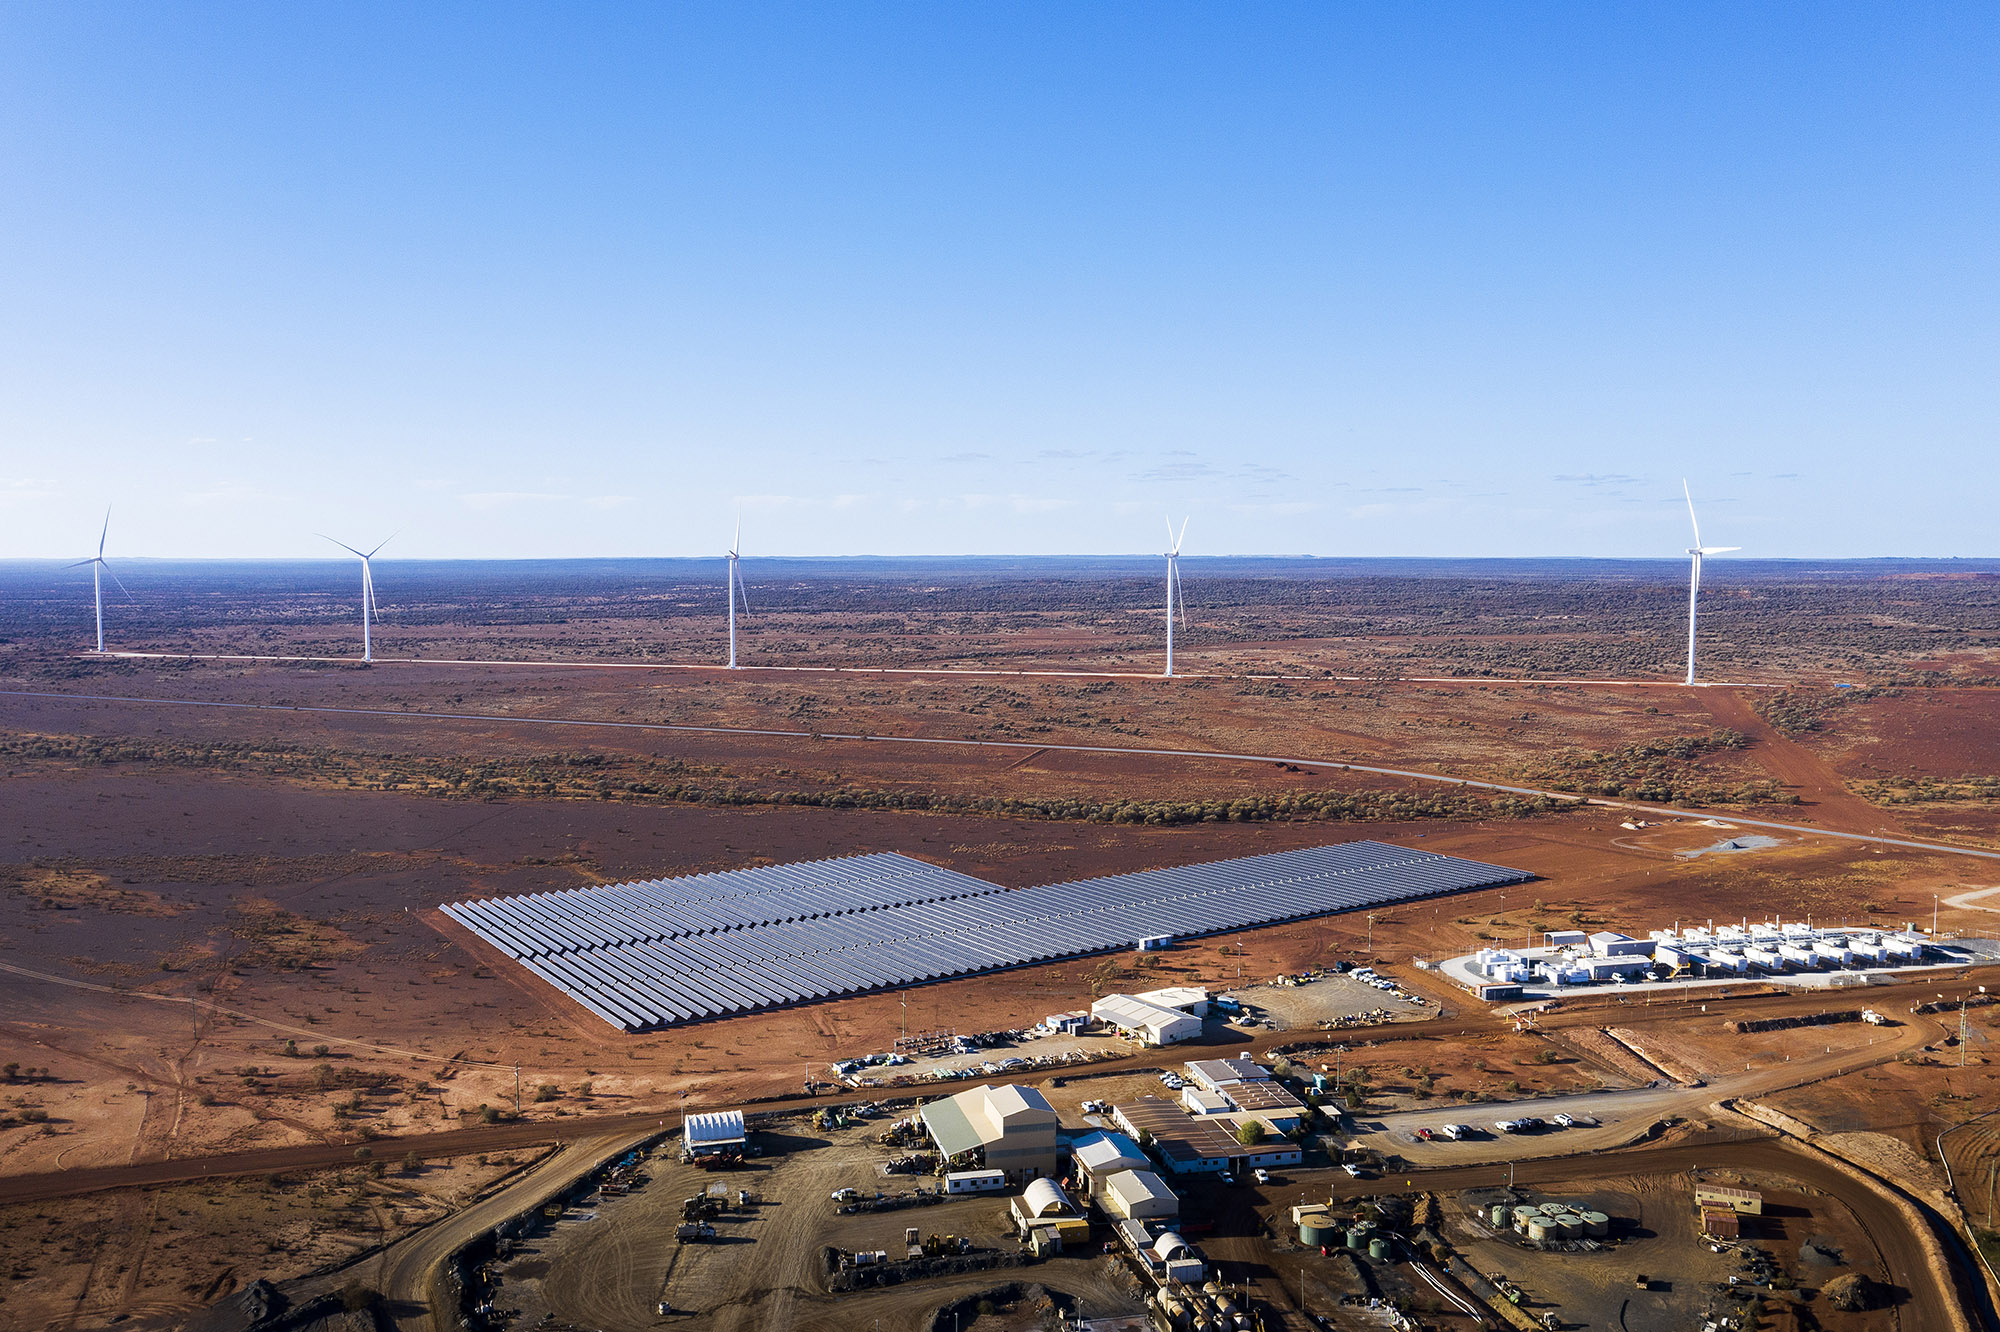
(1008,1128)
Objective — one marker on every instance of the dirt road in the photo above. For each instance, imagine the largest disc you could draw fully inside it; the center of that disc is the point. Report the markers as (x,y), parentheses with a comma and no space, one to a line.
(1931,1302)
(1794,766)
(512,1136)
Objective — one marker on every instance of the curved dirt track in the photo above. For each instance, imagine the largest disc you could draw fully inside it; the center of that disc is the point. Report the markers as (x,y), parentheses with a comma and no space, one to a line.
(1792,765)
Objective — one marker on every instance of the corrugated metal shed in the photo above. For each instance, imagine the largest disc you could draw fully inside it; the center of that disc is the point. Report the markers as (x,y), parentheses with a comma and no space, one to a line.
(718,1129)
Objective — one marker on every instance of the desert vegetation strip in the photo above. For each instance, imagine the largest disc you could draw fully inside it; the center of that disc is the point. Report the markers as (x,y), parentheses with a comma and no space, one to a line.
(1326,677)
(1466,783)
(1666,770)
(636,779)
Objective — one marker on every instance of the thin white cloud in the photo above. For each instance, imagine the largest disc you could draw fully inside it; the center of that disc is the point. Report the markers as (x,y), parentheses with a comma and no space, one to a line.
(486,501)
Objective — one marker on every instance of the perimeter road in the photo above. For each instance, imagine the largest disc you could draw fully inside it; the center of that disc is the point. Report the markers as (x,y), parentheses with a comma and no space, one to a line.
(1408,774)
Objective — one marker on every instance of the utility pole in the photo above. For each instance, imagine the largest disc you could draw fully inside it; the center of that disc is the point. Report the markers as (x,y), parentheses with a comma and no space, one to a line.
(1371,934)
(517,1089)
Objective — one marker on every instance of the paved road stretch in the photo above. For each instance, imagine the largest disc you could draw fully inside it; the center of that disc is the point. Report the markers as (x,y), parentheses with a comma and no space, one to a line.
(1408,774)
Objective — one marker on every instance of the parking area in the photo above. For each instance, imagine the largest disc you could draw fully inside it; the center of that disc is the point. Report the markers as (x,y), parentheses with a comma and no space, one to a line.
(1330,1002)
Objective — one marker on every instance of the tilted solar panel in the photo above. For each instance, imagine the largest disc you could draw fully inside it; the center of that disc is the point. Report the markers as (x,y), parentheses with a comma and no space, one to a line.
(672,950)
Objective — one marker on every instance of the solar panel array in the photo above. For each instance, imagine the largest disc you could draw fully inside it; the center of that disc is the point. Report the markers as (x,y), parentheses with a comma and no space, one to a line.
(674,950)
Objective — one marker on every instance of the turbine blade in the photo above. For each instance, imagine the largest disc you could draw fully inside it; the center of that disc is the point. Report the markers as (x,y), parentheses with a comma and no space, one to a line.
(1718,550)
(114,578)
(736,542)
(368,577)
(1170,536)
(383,542)
(1696,522)
(742,593)
(344,546)
(1178,539)
(105,532)
(80,563)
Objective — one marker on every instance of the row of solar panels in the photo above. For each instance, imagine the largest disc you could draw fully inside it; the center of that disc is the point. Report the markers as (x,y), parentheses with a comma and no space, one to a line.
(652,983)
(539,924)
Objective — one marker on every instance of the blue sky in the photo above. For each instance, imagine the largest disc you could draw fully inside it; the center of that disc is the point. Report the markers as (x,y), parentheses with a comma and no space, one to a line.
(1334,279)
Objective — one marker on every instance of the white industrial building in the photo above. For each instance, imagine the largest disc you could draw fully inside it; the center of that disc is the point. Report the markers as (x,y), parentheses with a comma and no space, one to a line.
(715,1134)
(1189,999)
(1099,1156)
(1139,1195)
(1140,1020)
(1569,957)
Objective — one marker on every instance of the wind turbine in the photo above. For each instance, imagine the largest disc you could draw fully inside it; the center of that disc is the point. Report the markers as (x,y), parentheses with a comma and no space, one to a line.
(735,589)
(1174,587)
(1697,550)
(370,609)
(98,568)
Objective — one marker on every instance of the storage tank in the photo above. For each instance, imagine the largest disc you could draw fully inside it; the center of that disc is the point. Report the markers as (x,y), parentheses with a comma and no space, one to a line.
(1378,1249)
(1523,1215)
(1541,1230)
(1318,1232)
(1357,1236)
(1570,1227)
(1500,1216)
(1596,1225)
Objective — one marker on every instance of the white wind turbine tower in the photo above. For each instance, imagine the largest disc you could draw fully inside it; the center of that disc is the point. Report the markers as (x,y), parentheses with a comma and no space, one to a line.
(1697,550)
(98,568)
(370,609)
(1174,601)
(735,590)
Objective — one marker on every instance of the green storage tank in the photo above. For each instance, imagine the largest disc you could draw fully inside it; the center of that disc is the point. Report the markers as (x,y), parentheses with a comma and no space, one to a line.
(1318,1233)
(1378,1249)
(1596,1225)
(1500,1216)
(1357,1236)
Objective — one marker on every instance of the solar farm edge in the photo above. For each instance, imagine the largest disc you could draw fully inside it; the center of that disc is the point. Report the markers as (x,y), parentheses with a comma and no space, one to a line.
(635,987)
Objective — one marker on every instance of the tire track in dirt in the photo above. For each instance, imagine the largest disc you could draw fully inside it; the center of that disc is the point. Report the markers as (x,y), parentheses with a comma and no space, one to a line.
(1794,766)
